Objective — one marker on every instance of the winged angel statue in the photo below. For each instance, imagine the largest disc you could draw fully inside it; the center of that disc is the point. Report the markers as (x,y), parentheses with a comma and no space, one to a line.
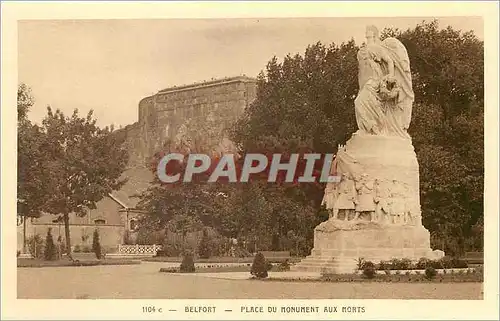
(384,102)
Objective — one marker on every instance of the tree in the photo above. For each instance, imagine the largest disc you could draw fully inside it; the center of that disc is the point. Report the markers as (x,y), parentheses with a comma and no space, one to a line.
(86,164)
(448,131)
(50,251)
(96,245)
(205,248)
(32,172)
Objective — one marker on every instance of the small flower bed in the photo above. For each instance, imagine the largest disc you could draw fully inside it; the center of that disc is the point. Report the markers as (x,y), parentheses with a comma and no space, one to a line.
(427,276)
(422,264)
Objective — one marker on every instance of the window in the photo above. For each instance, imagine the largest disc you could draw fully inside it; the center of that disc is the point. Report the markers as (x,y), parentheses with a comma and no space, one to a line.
(100,221)
(133,225)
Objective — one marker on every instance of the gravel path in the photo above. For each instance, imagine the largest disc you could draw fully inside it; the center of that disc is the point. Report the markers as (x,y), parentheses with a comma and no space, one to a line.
(145,282)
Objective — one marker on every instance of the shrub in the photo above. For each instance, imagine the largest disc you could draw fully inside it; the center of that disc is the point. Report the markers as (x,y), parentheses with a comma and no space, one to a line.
(361,263)
(369,270)
(455,263)
(86,249)
(260,266)
(384,265)
(218,246)
(284,266)
(406,264)
(187,265)
(169,270)
(77,249)
(430,272)
(18,253)
(148,236)
(446,262)
(423,263)
(96,245)
(172,248)
(50,252)
(437,264)
(403,264)
(205,248)
(35,246)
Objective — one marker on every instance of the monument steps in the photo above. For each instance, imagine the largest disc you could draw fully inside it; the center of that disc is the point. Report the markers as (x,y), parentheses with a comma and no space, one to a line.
(339,265)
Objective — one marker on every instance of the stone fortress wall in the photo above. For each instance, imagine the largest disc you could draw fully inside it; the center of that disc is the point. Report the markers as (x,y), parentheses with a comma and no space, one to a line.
(161,115)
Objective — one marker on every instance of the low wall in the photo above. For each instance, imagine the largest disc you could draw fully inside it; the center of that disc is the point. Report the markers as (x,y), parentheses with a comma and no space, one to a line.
(146,250)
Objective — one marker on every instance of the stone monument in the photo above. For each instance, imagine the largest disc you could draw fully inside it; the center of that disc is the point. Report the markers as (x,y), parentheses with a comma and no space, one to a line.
(376,205)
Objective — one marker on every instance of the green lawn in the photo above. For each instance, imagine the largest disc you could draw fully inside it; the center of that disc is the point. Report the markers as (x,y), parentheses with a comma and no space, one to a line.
(219,259)
(241,268)
(23,262)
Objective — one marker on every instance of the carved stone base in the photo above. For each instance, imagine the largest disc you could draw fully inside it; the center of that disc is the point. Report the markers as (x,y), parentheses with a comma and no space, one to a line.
(339,244)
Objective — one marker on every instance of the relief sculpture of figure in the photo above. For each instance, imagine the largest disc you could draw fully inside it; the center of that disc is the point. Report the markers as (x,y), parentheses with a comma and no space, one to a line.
(398,207)
(407,218)
(385,98)
(346,199)
(383,201)
(329,199)
(366,201)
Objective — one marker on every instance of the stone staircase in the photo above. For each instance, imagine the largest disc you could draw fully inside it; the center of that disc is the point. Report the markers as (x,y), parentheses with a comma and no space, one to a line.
(322,264)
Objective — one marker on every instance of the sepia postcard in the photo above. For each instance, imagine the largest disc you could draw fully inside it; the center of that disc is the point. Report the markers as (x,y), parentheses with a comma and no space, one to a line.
(250,160)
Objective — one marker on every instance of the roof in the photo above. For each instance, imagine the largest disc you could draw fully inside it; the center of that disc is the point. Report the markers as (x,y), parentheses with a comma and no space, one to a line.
(214,82)
(139,179)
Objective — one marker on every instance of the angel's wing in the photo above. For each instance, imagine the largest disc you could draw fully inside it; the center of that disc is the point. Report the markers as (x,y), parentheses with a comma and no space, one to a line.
(395,46)
(401,62)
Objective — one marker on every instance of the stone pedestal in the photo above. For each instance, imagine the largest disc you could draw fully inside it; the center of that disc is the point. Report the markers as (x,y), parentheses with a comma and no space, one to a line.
(339,244)
(375,207)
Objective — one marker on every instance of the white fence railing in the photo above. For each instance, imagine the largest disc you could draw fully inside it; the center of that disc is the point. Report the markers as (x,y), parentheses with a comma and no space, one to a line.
(138,249)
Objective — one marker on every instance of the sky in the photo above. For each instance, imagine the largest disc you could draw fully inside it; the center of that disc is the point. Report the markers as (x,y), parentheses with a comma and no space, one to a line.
(110,65)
